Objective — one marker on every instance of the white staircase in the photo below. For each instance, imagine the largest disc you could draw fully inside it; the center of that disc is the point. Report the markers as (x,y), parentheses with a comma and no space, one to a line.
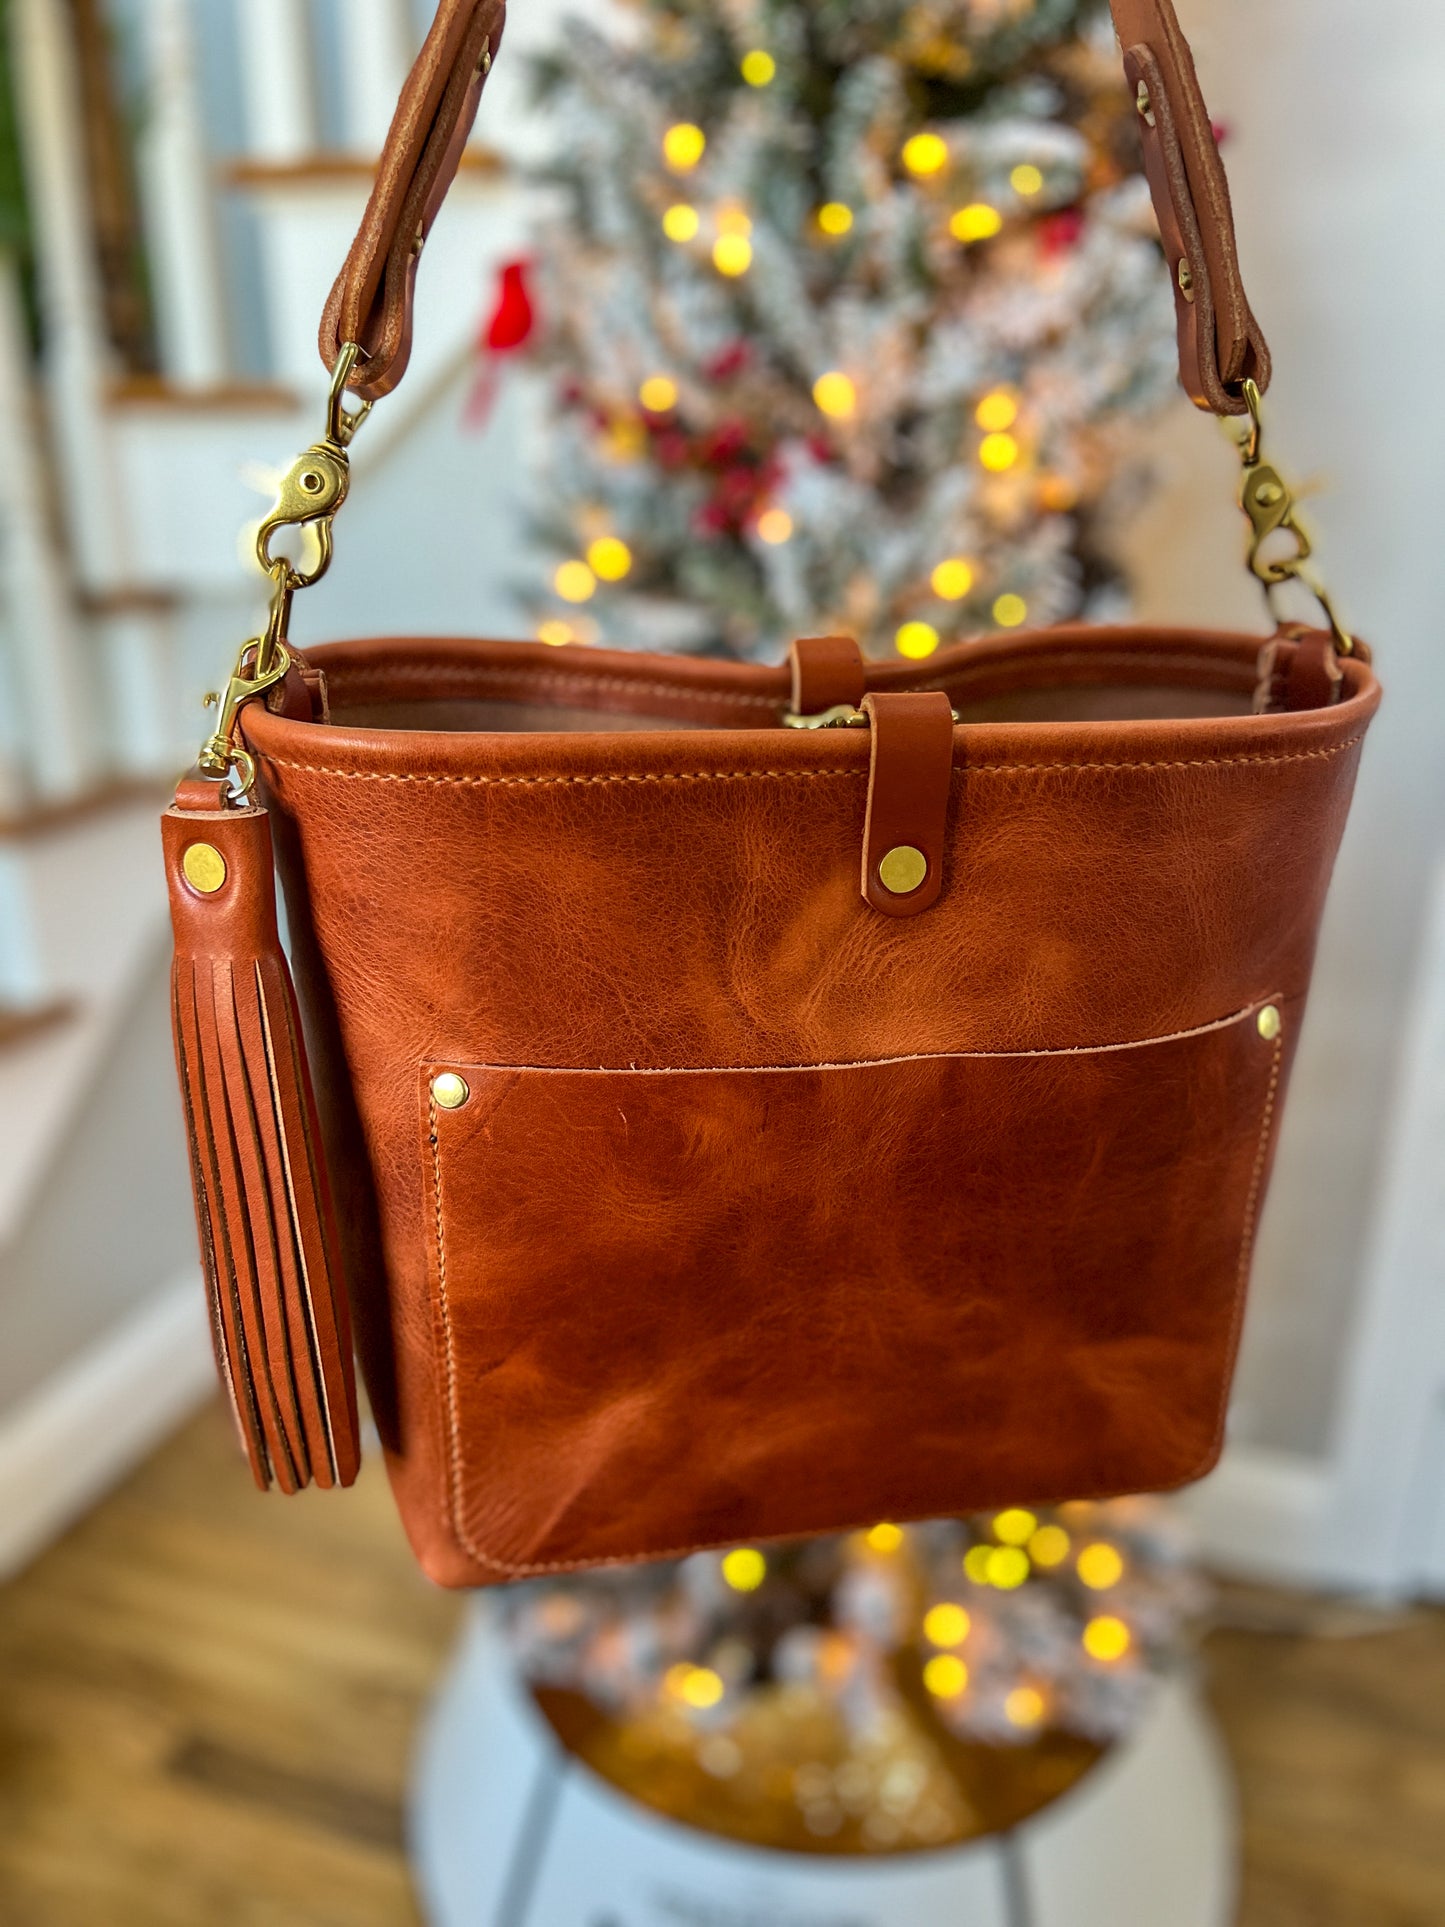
(126,586)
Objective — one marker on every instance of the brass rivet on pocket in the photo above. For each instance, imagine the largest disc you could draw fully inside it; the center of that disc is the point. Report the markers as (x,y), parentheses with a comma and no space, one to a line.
(1270,1023)
(902,870)
(204,868)
(450,1091)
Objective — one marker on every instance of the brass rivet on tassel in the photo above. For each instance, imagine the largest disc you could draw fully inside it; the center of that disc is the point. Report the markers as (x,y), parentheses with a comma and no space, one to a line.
(450,1091)
(204,868)
(1144,104)
(1269,1023)
(1186,280)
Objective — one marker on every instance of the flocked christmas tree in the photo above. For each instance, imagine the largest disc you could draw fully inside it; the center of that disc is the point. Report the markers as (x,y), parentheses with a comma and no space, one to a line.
(844,306)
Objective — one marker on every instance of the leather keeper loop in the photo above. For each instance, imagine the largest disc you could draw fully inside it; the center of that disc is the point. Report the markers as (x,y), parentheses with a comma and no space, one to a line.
(910,771)
(828,673)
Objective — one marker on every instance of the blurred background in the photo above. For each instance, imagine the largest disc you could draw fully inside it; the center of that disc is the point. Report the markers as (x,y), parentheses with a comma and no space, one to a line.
(179,181)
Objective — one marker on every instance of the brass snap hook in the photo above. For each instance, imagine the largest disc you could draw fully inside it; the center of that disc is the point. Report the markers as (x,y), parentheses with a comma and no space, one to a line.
(311,491)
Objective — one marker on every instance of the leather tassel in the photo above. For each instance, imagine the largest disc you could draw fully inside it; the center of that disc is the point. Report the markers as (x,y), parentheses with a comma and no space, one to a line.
(279,1315)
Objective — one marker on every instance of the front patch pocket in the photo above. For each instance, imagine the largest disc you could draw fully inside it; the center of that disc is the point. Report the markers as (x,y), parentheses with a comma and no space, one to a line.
(680,1308)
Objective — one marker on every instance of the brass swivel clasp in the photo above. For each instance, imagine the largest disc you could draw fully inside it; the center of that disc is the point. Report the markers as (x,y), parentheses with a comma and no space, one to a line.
(309,495)
(1269,504)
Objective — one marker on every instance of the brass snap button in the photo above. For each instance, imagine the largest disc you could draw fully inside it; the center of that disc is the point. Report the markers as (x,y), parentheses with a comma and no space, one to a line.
(902,870)
(204,868)
(450,1091)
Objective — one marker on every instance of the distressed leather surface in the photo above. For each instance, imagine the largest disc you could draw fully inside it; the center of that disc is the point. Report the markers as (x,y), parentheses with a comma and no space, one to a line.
(688,1307)
(686,899)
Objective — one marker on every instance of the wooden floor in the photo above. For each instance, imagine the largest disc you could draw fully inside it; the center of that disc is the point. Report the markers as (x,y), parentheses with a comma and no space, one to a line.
(207,1700)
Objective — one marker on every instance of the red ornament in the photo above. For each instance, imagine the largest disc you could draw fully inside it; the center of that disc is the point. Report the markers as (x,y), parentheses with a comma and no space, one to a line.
(507,328)
(731,361)
(1059,232)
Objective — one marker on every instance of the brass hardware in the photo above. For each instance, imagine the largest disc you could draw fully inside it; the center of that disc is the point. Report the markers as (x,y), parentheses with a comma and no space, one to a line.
(1144,104)
(902,870)
(450,1091)
(1269,1023)
(1269,503)
(311,491)
(204,868)
(484,65)
(1185,278)
(841,716)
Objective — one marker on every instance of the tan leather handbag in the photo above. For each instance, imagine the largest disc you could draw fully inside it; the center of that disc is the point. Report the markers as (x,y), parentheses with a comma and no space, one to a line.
(738,1130)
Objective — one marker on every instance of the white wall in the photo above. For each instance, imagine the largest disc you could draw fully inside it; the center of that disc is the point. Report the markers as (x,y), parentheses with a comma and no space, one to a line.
(1336,156)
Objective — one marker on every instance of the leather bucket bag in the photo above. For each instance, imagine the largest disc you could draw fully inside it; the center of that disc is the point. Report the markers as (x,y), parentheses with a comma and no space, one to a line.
(724,1129)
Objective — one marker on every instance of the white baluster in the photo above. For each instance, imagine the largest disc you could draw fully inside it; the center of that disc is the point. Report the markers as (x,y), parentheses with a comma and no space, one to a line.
(77,355)
(179,201)
(378,46)
(278,70)
(47,674)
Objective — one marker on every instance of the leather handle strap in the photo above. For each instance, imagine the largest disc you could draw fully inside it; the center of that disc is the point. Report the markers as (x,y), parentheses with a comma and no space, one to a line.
(372,301)
(1220,343)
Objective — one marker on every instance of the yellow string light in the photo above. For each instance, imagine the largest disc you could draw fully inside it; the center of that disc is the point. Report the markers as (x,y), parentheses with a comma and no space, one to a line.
(1009,611)
(733,218)
(1014,1527)
(658,394)
(732,254)
(609,558)
(1008,1567)
(952,579)
(683,146)
(680,222)
(1057,494)
(1026,179)
(916,640)
(1024,1706)
(925,154)
(574,582)
(999,409)
(556,632)
(1100,1567)
(775,526)
(975,1563)
(998,452)
(945,1676)
(946,1625)
(758,67)
(835,394)
(1049,1546)
(976,222)
(701,1687)
(1107,1638)
(885,1538)
(744,1568)
(835,217)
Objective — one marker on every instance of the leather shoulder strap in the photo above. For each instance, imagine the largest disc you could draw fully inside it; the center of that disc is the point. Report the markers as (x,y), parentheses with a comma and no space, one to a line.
(1220,343)
(371,302)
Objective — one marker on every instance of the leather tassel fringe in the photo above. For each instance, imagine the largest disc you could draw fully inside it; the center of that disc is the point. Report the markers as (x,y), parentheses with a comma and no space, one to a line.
(279,1315)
